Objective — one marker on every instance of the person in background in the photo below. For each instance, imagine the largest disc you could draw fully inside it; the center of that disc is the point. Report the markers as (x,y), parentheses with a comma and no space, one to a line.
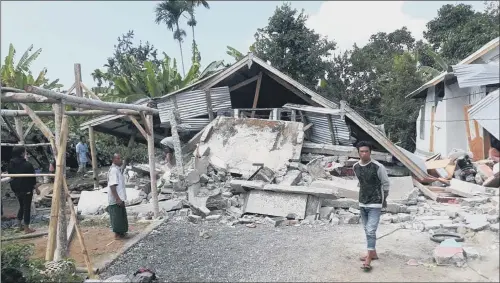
(81,152)
(373,192)
(23,187)
(169,150)
(116,198)
(494,152)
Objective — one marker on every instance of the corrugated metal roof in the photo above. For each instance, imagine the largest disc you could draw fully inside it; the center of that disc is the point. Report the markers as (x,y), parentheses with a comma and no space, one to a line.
(477,74)
(487,113)
(320,131)
(470,59)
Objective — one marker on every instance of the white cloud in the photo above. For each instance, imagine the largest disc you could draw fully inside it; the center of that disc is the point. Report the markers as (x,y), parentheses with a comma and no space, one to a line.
(349,22)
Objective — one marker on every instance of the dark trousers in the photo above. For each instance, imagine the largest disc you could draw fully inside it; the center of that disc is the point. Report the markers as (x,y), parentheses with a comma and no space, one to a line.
(24,207)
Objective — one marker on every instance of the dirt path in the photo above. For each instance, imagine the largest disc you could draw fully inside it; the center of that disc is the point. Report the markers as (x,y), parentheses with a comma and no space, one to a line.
(322,253)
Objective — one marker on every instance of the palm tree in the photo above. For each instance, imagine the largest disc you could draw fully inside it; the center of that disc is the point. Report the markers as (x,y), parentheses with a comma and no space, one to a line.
(192,5)
(169,12)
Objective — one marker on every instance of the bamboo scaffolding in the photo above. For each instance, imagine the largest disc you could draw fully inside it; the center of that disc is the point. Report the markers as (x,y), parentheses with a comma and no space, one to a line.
(26,145)
(152,165)
(91,102)
(79,235)
(54,213)
(20,113)
(26,175)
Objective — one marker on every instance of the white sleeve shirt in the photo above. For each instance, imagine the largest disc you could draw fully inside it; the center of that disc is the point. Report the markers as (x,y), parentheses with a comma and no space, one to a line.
(115,177)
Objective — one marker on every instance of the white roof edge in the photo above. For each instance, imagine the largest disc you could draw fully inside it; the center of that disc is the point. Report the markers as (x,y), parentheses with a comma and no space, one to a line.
(474,56)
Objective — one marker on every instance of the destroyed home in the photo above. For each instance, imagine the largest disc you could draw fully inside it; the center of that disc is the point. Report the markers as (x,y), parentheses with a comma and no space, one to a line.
(461,106)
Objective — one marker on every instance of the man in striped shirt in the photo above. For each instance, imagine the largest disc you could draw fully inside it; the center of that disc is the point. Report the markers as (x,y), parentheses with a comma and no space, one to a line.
(373,192)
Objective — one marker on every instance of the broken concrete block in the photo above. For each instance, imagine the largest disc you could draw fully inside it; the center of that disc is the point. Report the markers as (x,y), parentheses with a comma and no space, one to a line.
(264,174)
(348,218)
(316,191)
(344,203)
(192,177)
(276,204)
(276,221)
(493,182)
(194,218)
(395,208)
(291,178)
(234,212)
(334,220)
(386,218)
(403,217)
(465,189)
(449,252)
(297,166)
(471,253)
(178,185)
(484,171)
(345,188)
(227,194)
(172,204)
(435,224)
(316,169)
(313,204)
(242,186)
(204,178)
(324,212)
(184,212)
(402,189)
(353,210)
(473,201)
(478,226)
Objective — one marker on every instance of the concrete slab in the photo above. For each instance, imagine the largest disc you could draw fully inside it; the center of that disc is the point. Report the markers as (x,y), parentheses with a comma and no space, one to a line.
(345,188)
(465,189)
(276,204)
(313,202)
(237,143)
(291,178)
(400,188)
(320,192)
(242,186)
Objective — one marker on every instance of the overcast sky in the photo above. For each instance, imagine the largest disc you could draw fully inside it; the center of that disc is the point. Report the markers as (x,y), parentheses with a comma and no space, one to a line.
(84,32)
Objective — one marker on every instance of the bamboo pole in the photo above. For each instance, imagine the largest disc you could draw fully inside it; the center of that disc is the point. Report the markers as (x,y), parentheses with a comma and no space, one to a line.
(78,80)
(62,241)
(93,154)
(146,124)
(27,175)
(92,102)
(26,145)
(40,125)
(25,98)
(19,128)
(139,127)
(15,113)
(152,165)
(79,235)
(27,132)
(54,213)
(89,91)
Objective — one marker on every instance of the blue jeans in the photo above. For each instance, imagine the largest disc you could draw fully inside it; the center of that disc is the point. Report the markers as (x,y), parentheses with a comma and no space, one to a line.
(370,217)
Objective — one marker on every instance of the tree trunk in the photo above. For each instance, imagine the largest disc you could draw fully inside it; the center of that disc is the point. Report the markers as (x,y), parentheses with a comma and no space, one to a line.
(194,40)
(180,47)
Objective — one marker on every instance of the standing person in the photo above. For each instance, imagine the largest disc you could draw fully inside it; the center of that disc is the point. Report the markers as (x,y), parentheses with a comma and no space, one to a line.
(81,152)
(373,192)
(116,198)
(23,186)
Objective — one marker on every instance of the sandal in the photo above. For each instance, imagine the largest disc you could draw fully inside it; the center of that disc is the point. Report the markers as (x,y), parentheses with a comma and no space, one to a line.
(29,231)
(366,267)
(363,258)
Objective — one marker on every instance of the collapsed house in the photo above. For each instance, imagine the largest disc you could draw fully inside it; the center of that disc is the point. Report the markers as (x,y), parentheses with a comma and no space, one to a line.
(461,107)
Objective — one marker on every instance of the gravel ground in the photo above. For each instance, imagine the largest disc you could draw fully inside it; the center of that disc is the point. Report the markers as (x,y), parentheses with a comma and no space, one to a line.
(177,252)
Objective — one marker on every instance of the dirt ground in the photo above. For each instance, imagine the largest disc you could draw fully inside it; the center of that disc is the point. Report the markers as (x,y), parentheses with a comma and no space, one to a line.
(99,241)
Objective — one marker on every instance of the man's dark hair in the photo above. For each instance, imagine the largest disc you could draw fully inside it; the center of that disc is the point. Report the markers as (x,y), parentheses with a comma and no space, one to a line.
(82,137)
(364,143)
(18,151)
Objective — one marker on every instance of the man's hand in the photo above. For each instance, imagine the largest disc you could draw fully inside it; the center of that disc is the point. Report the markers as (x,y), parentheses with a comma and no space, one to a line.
(120,202)
(384,203)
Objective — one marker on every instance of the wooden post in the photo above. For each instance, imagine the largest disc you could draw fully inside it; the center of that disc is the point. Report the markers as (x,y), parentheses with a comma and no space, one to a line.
(330,126)
(177,145)
(257,91)
(54,213)
(152,166)
(28,130)
(131,143)
(40,125)
(79,235)
(19,129)
(93,154)
(208,98)
(78,81)
(62,240)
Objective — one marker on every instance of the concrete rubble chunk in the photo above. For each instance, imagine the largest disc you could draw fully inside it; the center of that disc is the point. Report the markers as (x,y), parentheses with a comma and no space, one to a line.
(313,205)
(402,190)
(264,174)
(474,201)
(276,204)
(494,227)
(311,190)
(449,252)
(297,166)
(234,212)
(396,208)
(334,221)
(204,178)
(325,212)
(194,218)
(465,189)
(344,188)
(344,203)
(478,226)
(242,186)
(192,177)
(213,217)
(471,253)
(291,178)
(316,169)
(435,224)
(484,171)
(276,221)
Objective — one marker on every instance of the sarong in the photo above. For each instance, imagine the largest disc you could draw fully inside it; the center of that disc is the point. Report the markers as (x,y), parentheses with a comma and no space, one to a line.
(118,217)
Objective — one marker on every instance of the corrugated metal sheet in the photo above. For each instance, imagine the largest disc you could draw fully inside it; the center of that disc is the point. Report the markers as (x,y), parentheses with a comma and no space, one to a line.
(320,131)
(191,104)
(221,98)
(477,74)
(487,113)
(164,107)
(195,124)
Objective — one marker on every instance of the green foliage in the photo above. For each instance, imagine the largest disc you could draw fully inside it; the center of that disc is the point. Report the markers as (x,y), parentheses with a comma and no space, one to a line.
(233,52)
(458,31)
(293,48)
(19,75)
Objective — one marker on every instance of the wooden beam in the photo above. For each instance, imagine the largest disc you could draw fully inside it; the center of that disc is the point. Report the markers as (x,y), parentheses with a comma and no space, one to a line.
(93,154)
(71,89)
(40,125)
(342,150)
(16,113)
(330,126)
(307,127)
(147,127)
(312,109)
(26,145)
(79,235)
(25,98)
(152,164)
(91,102)
(208,98)
(257,91)
(78,80)
(89,91)
(139,127)
(26,175)
(244,83)
(28,130)
(54,213)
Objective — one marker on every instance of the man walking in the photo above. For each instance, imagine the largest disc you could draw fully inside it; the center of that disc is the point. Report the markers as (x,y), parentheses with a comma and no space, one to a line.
(116,198)
(23,186)
(81,152)
(373,192)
